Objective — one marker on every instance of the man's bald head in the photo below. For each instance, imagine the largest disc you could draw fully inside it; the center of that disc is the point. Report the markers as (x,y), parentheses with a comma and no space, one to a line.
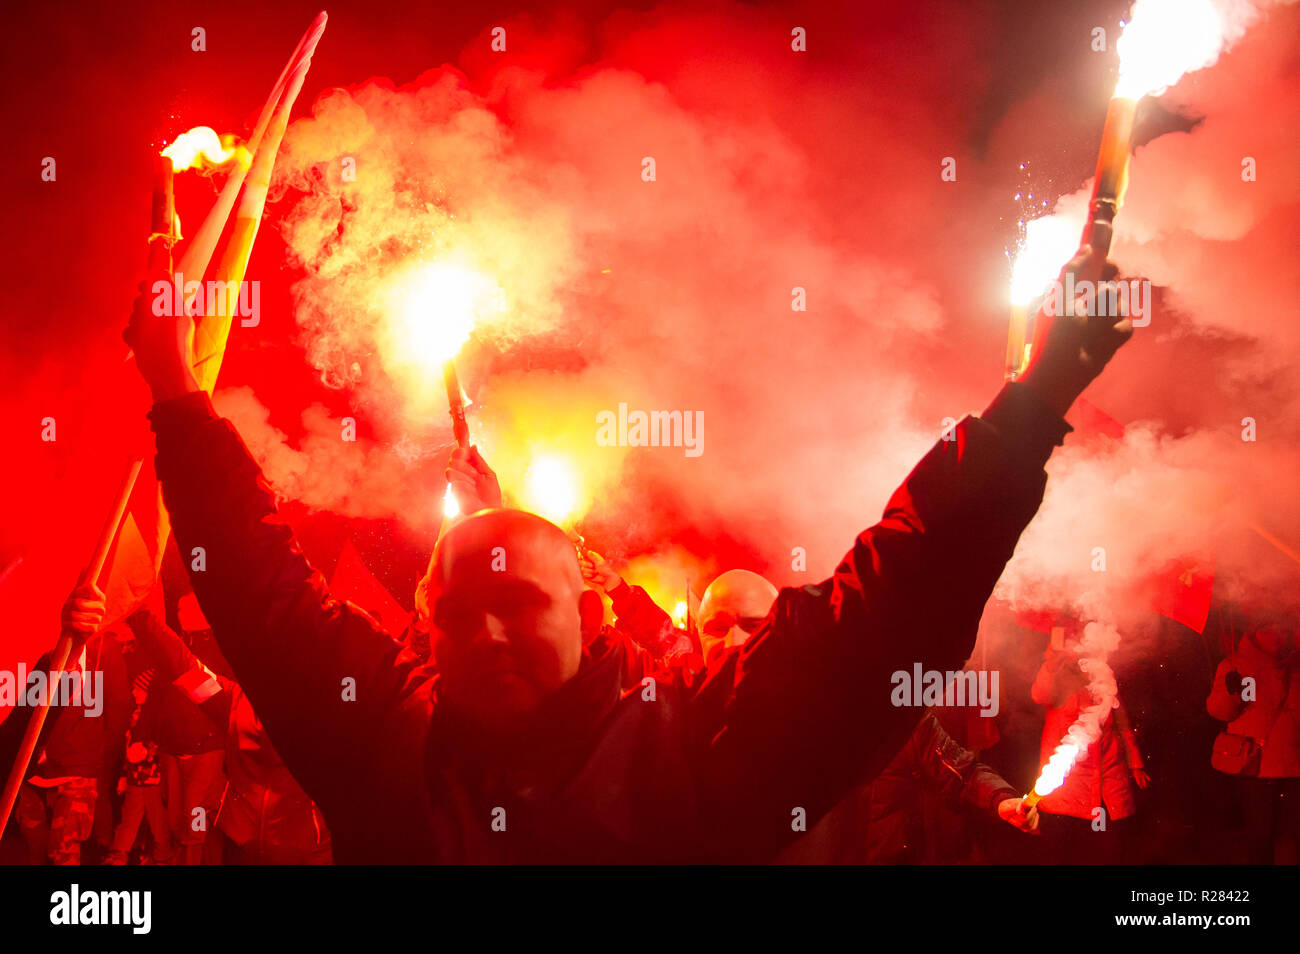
(732,608)
(503,593)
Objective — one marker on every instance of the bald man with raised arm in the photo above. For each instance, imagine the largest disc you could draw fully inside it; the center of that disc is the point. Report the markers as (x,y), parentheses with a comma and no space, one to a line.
(521,751)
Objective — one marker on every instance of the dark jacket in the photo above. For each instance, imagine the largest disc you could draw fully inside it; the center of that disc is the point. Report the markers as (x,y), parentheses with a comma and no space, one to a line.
(936,762)
(73,743)
(646,623)
(792,720)
(264,809)
(183,728)
(883,823)
(646,637)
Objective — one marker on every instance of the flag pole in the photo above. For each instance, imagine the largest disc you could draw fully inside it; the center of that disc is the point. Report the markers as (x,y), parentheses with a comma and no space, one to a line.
(68,640)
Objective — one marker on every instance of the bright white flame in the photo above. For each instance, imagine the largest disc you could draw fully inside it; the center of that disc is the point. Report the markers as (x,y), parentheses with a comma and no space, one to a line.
(1057,767)
(1050,242)
(551,488)
(433,308)
(1167,38)
(450,506)
(201,144)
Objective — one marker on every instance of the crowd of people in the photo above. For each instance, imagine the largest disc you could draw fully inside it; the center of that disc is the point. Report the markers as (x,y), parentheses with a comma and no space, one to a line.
(512,723)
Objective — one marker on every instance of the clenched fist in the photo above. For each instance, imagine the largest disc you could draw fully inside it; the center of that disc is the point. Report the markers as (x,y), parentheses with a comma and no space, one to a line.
(473,483)
(1069,350)
(83,612)
(1013,812)
(596,572)
(163,344)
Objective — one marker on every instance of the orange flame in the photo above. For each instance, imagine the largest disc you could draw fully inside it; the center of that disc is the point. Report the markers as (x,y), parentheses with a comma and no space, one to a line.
(201,147)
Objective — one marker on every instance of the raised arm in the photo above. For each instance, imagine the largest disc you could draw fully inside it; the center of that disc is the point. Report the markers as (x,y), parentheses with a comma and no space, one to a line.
(322,675)
(638,615)
(175,663)
(803,711)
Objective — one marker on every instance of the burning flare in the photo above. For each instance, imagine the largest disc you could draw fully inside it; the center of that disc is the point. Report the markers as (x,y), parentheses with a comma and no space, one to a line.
(433,308)
(551,488)
(679,614)
(1168,38)
(203,149)
(1050,242)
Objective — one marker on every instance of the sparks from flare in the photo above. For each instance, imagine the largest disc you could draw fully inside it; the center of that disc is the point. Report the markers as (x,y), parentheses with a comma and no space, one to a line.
(1050,241)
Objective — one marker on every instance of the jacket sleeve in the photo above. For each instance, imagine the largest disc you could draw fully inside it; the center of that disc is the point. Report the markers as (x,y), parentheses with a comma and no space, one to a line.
(322,675)
(641,618)
(178,665)
(804,711)
(1222,704)
(949,767)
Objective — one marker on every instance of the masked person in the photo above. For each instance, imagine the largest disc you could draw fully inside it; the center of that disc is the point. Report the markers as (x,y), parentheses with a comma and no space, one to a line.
(518,752)
(732,609)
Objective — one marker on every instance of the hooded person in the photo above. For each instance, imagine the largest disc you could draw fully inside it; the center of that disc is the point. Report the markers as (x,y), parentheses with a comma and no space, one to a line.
(518,750)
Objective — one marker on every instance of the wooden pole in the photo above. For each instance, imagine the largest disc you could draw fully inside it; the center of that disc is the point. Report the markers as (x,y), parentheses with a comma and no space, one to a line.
(68,640)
